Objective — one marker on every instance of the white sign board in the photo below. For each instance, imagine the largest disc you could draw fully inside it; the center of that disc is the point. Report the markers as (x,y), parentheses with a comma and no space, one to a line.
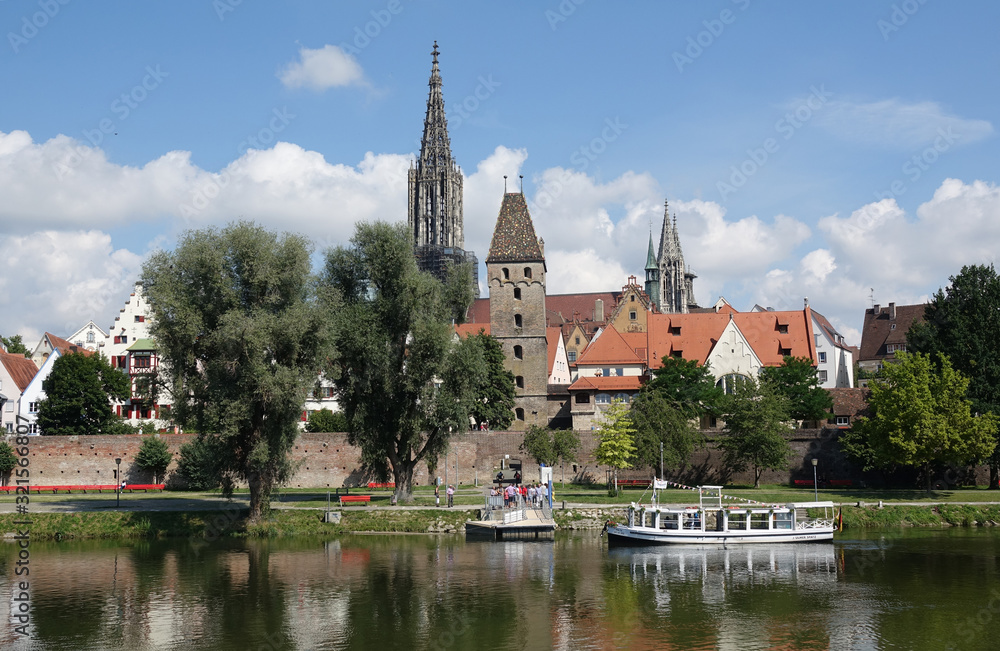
(545,474)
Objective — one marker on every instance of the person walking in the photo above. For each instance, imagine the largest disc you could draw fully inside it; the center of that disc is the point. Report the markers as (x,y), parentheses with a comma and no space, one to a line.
(451,495)
(437,494)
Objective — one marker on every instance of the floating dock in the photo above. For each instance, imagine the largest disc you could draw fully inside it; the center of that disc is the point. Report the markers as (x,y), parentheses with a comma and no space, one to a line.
(511,524)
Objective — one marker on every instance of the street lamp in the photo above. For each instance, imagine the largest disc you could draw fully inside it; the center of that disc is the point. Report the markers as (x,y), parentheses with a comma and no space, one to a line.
(118,479)
(815,485)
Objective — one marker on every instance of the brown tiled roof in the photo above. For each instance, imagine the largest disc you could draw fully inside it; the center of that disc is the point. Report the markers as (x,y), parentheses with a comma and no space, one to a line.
(20,368)
(849,402)
(830,331)
(65,347)
(559,309)
(479,311)
(514,237)
(879,329)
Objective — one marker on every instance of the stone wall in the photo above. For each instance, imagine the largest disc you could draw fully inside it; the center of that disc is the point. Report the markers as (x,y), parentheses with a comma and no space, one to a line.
(328,461)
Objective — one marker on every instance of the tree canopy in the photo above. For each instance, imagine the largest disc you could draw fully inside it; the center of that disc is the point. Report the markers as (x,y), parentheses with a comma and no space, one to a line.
(404,383)
(551,446)
(658,419)
(78,394)
(615,435)
(15,345)
(243,336)
(798,380)
(686,384)
(962,322)
(921,417)
(324,420)
(756,422)
(496,388)
(154,456)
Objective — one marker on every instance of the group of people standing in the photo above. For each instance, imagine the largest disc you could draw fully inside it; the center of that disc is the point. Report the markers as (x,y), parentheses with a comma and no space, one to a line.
(532,494)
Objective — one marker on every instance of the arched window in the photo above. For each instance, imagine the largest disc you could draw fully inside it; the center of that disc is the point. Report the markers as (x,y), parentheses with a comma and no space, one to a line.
(603,398)
(517,293)
(90,337)
(527,272)
(518,352)
(623,397)
(519,381)
(518,321)
(728,383)
(506,273)
(519,413)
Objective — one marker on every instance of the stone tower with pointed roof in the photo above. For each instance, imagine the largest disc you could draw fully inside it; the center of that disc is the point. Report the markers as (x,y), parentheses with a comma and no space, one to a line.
(515,271)
(434,214)
(652,274)
(676,283)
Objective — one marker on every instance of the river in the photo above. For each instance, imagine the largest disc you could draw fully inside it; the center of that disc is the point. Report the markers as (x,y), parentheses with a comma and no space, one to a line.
(904,589)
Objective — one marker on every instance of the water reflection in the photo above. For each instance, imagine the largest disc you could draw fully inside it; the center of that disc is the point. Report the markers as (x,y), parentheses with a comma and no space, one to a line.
(913,590)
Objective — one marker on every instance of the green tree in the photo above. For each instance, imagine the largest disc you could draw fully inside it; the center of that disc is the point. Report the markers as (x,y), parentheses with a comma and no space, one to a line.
(154,455)
(798,380)
(962,322)
(78,392)
(921,417)
(496,389)
(756,422)
(198,463)
(538,443)
(325,420)
(8,460)
(403,382)
(616,446)
(243,335)
(551,446)
(15,345)
(659,420)
(686,384)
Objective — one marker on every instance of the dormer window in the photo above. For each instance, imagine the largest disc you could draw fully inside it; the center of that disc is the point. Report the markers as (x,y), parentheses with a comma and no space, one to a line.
(675,330)
(782,329)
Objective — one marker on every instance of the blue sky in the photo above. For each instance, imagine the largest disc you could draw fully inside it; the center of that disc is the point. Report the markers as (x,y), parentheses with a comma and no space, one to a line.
(840,151)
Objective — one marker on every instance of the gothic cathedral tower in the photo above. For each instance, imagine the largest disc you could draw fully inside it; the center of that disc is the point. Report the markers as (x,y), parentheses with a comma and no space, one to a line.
(515,271)
(676,283)
(434,213)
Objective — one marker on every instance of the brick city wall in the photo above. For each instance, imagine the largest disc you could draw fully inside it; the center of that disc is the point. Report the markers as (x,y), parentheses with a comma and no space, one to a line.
(327,460)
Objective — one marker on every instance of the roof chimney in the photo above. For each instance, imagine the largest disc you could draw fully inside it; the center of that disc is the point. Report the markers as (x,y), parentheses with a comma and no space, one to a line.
(875,309)
(806,301)
(892,310)
(598,310)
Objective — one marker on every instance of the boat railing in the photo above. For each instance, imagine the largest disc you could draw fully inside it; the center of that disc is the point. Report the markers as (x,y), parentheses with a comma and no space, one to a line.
(818,523)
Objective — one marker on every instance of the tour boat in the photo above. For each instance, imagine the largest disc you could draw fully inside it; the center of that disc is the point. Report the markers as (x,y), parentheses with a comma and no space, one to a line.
(712,522)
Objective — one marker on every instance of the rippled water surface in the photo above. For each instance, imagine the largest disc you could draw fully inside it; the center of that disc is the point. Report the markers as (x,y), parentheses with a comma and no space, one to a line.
(909,589)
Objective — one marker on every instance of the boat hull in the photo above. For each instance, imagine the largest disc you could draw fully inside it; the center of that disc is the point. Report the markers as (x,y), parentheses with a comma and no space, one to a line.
(622,535)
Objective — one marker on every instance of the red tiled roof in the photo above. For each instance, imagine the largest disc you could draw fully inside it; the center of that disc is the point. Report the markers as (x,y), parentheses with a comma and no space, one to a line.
(560,309)
(609,348)
(65,347)
(849,402)
(470,329)
(21,369)
(612,383)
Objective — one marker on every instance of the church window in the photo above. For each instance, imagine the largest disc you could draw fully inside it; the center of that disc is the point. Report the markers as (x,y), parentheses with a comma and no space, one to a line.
(519,381)
(519,413)
(517,293)
(518,322)
(518,352)
(527,272)
(506,273)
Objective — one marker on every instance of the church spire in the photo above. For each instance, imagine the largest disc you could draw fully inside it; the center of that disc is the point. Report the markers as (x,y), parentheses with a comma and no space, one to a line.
(676,289)
(435,146)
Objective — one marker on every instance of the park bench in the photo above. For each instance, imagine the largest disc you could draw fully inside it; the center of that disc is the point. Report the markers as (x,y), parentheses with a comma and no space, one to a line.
(635,483)
(841,483)
(144,487)
(346,499)
(802,483)
(372,485)
(85,488)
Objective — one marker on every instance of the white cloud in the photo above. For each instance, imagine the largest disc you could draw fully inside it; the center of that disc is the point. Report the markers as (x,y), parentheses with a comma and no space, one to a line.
(322,68)
(57,281)
(900,124)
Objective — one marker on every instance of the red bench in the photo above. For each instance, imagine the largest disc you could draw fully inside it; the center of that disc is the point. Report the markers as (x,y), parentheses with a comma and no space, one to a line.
(355,498)
(635,483)
(843,483)
(374,484)
(808,483)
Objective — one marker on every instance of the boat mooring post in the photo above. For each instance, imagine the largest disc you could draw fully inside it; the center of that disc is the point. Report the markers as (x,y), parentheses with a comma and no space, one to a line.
(815,484)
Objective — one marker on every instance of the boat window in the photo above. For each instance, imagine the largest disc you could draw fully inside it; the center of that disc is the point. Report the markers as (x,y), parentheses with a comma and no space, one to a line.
(668,521)
(737,520)
(783,520)
(692,520)
(759,520)
(647,518)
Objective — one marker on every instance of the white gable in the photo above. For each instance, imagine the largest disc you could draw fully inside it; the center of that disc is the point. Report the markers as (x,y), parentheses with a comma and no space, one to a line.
(733,354)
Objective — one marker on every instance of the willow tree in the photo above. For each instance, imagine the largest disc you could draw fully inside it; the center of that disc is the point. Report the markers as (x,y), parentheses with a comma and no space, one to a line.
(243,335)
(404,380)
